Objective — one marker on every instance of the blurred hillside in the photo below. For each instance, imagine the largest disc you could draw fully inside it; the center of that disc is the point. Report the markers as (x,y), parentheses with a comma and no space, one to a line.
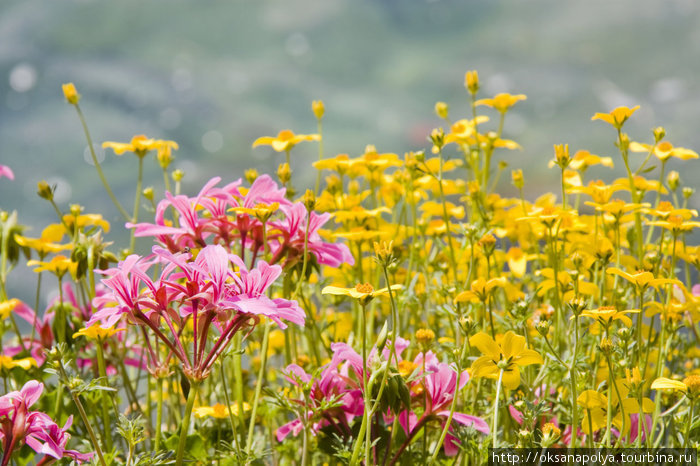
(215,75)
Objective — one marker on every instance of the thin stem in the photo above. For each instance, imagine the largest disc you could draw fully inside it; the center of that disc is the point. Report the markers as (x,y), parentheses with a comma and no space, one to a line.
(495,409)
(98,167)
(258,387)
(137,203)
(184,426)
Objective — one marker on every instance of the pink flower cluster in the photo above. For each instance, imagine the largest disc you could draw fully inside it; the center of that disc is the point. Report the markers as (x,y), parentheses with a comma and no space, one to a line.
(215,291)
(341,386)
(19,426)
(222,215)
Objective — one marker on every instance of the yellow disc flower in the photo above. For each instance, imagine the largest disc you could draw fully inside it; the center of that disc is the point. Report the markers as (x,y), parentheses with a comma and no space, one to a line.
(502,102)
(363,292)
(690,385)
(509,354)
(664,150)
(139,145)
(7,363)
(285,140)
(59,265)
(219,411)
(616,117)
(47,243)
(95,332)
(642,279)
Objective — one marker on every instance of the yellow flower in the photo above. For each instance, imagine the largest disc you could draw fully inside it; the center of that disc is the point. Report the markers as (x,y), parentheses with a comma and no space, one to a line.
(596,405)
(84,220)
(664,150)
(642,279)
(70,93)
(359,214)
(616,117)
(6,307)
(480,289)
(59,265)
(584,159)
(219,411)
(285,140)
(262,212)
(690,385)
(47,242)
(517,261)
(363,292)
(508,354)
(95,332)
(139,145)
(598,190)
(502,102)
(676,224)
(605,315)
(7,363)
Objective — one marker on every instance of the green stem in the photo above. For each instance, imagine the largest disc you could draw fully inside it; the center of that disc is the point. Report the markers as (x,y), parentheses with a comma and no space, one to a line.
(495,409)
(184,426)
(137,203)
(258,387)
(159,413)
(101,367)
(97,165)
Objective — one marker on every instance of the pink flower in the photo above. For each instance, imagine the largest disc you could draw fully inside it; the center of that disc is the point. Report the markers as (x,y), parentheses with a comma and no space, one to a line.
(293,233)
(440,382)
(20,426)
(6,171)
(215,290)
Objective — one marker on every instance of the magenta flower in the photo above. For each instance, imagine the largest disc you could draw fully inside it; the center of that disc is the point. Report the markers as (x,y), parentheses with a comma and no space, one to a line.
(332,402)
(440,382)
(293,233)
(216,291)
(20,426)
(7,172)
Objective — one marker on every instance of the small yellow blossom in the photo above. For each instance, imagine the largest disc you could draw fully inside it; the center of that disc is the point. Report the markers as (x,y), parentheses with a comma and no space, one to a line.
(219,411)
(285,140)
(95,332)
(616,117)
(508,354)
(502,102)
(7,363)
(139,145)
(70,93)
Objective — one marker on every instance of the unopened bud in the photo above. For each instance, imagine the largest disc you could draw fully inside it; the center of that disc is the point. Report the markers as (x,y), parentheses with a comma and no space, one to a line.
(178,175)
(251,175)
(673,179)
(284,173)
(309,200)
(471,81)
(318,108)
(442,110)
(148,193)
(45,191)
(71,94)
(659,133)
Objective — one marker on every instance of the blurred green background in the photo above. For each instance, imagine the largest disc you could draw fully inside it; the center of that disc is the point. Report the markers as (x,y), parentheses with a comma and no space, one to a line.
(215,75)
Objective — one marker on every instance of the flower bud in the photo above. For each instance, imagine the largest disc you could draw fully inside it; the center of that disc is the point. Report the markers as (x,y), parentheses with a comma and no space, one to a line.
(45,191)
(673,180)
(624,142)
(178,175)
(309,200)
(442,110)
(517,178)
(561,155)
(688,192)
(383,335)
(71,94)
(318,108)
(471,82)
(659,133)
(284,173)
(251,175)
(148,193)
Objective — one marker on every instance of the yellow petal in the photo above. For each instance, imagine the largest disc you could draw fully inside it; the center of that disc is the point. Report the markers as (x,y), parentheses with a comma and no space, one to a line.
(664,383)
(486,345)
